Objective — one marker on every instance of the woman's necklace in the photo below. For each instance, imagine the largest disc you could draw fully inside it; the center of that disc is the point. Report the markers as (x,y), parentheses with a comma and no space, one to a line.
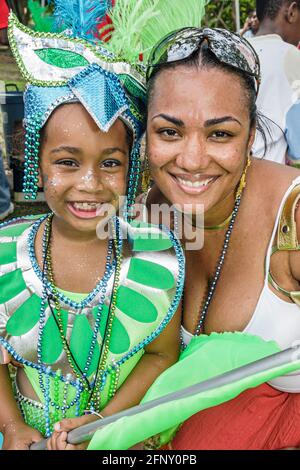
(213,283)
(239,191)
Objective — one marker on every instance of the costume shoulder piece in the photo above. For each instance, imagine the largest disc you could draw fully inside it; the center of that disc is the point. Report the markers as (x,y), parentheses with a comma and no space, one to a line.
(151,282)
(9,233)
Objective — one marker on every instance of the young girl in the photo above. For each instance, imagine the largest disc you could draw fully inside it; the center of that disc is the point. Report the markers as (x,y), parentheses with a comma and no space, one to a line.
(90,320)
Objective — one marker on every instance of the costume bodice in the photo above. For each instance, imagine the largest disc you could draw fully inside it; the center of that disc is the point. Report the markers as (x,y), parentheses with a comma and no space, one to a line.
(151,280)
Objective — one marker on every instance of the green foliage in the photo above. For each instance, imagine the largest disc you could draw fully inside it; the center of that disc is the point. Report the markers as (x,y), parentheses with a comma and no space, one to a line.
(221,13)
(41,17)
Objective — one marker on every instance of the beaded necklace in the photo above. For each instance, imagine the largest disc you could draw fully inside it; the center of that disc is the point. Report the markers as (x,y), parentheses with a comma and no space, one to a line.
(213,283)
(87,394)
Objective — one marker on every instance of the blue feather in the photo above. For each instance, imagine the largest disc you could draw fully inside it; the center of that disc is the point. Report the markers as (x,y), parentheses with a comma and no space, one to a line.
(80,16)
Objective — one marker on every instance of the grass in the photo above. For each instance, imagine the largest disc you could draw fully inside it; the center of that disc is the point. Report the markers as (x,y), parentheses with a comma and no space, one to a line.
(27,208)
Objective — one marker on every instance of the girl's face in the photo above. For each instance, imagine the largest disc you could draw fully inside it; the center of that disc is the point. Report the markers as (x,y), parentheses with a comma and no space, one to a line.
(198,135)
(82,168)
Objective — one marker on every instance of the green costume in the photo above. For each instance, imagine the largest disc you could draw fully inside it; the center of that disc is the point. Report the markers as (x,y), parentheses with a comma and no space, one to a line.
(149,290)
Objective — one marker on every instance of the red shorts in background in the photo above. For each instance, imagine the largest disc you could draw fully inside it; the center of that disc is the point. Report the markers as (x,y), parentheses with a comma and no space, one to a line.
(261,418)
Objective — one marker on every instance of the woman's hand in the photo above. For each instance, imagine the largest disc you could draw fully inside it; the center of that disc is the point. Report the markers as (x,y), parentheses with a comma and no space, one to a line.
(19,436)
(58,440)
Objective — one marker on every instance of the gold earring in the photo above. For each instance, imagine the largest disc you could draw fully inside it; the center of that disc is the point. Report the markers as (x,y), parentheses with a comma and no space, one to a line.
(242,183)
(146,176)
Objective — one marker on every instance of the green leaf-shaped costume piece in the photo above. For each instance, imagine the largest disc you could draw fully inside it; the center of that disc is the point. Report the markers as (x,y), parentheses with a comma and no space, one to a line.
(25,317)
(79,348)
(8,253)
(151,274)
(52,343)
(144,303)
(61,58)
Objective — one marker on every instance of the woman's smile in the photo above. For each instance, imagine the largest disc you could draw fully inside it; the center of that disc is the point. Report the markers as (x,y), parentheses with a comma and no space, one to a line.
(194,184)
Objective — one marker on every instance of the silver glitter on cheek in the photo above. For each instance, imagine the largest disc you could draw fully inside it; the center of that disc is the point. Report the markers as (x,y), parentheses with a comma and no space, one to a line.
(54,182)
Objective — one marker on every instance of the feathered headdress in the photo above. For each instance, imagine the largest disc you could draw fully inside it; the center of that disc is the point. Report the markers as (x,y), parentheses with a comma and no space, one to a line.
(140,24)
(69,66)
(80,17)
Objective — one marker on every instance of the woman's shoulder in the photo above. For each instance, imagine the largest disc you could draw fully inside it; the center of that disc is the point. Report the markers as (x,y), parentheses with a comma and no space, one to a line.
(272,178)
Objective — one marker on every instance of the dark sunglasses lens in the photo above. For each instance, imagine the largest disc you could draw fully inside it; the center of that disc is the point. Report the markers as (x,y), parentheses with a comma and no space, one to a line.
(233,50)
(229,48)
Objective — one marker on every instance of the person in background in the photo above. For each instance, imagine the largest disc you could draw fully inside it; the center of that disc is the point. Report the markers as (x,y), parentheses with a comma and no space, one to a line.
(276,45)
(251,25)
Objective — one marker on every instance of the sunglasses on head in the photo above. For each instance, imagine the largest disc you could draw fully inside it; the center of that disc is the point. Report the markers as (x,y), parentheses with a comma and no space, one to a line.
(229,48)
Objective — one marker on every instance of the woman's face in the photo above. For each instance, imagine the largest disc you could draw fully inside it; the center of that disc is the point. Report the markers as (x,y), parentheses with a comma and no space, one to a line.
(81,168)
(199,135)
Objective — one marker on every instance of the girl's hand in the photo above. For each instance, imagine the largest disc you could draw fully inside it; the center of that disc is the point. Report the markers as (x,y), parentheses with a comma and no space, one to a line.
(19,436)
(58,440)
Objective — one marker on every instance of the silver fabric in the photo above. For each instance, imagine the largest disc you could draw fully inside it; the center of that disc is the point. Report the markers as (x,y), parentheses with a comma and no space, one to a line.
(26,344)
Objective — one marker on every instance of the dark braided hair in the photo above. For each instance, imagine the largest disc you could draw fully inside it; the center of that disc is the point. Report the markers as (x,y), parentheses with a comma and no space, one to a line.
(270,8)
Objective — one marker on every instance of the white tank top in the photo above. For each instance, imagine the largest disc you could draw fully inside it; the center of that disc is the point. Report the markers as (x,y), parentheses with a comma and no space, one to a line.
(274,318)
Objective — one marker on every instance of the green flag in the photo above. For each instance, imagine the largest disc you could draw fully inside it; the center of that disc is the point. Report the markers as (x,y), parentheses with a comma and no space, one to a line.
(205,358)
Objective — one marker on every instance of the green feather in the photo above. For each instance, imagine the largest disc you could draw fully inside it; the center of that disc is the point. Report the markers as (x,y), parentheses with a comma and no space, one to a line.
(140,24)
(173,15)
(129,17)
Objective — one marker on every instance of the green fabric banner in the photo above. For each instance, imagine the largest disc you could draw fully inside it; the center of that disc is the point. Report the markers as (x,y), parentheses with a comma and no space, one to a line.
(206,357)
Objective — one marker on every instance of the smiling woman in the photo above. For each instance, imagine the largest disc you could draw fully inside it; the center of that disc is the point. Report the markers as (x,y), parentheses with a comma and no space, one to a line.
(202,86)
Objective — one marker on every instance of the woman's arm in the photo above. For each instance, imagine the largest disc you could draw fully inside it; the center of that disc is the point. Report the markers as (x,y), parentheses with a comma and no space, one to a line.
(17,435)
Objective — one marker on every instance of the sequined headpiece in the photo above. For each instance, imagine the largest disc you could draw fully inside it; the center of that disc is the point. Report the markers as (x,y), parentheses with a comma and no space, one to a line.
(62,69)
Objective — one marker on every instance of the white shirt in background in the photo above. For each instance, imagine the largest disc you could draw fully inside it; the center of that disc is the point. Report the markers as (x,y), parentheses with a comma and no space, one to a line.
(279,98)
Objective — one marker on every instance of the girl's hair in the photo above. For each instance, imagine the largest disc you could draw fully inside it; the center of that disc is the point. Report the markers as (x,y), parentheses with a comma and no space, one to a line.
(204,58)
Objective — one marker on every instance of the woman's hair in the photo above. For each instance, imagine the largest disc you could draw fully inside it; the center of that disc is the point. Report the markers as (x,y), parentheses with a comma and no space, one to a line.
(204,58)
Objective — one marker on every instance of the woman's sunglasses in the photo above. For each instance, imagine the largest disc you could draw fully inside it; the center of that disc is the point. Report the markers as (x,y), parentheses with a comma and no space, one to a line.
(229,48)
